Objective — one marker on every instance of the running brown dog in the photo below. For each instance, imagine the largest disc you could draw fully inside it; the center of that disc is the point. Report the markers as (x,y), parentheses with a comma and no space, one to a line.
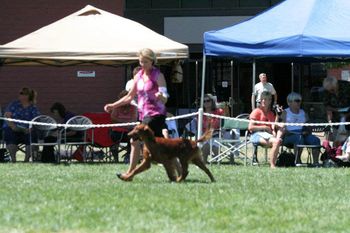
(164,150)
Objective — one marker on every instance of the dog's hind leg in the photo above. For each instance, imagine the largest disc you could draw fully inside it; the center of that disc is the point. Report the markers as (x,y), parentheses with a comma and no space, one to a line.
(170,170)
(184,174)
(198,161)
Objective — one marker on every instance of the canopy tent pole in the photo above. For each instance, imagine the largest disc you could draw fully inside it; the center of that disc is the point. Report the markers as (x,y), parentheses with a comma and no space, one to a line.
(292,75)
(197,78)
(254,76)
(200,112)
(231,98)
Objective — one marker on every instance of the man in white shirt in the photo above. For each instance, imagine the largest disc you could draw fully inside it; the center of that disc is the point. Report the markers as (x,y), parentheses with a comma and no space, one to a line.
(263,85)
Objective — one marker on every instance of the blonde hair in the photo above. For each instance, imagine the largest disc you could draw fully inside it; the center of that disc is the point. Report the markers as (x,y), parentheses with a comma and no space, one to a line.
(30,93)
(329,83)
(148,53)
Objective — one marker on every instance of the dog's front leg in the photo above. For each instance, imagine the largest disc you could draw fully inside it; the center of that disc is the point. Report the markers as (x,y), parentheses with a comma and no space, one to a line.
(145,164)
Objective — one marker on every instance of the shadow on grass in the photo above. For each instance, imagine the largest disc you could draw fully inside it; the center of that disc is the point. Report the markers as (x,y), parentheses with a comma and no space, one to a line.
(197,181)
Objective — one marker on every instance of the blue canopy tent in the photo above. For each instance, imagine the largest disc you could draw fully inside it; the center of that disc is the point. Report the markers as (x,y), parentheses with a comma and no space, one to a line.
(290,31)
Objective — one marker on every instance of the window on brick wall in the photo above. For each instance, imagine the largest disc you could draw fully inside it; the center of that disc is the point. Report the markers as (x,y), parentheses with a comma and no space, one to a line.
(165,3)
(274,2)
(137,3)
(254,3)
(225,3)
(196,3)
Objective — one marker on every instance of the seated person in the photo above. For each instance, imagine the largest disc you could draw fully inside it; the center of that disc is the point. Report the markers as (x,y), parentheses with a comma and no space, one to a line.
(124,114)
(210,107)
(297,135)
(345,156)
(172,131)
(266,134)
(61,115)
(23,108)
(337,96)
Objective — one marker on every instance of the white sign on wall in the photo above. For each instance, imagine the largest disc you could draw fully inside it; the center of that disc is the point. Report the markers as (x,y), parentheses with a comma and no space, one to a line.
(345,75)
(86,74)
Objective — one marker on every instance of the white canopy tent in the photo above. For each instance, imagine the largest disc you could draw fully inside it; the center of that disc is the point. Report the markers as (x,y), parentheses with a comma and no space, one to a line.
(89,36)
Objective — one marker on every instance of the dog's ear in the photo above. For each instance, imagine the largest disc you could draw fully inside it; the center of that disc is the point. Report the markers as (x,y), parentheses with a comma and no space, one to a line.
(149,130)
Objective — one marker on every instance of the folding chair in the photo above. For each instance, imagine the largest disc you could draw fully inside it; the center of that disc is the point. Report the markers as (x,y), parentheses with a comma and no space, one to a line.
(38,133)
(3,151)
(80,142)
(102,138)
(255,160)
(229,148)
(172,129)
(315,130)
(2,142)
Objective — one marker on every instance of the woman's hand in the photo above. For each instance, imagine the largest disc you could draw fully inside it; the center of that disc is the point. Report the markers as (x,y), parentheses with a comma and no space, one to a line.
(12,125)
(158,95)
(8,114)
(280,125)
(108,108)
(161,97)
(268,129)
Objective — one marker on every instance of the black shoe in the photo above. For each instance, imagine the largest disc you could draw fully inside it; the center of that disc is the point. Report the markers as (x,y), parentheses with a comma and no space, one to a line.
(255,161)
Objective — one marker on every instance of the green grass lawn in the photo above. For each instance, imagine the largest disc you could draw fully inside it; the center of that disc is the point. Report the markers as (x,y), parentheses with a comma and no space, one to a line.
(89,198)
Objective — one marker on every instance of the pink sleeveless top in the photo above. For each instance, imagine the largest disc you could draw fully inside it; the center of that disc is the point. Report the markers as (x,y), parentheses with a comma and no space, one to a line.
(148,103)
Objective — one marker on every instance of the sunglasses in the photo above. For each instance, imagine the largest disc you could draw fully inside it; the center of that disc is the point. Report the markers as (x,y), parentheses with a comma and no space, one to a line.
(297,101)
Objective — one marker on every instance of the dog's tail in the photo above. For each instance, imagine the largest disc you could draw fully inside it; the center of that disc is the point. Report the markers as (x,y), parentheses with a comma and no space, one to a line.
(206,136)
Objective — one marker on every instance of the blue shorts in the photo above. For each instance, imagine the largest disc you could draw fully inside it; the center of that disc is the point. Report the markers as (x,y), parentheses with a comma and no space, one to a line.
(299,139)
(256,136)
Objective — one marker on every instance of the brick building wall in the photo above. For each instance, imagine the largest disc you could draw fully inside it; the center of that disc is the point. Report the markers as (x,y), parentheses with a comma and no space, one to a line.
(20,17)
(337,72)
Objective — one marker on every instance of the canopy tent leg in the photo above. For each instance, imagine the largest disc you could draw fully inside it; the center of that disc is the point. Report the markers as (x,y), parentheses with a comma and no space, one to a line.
(231,98)
(253,76)
(197,78)
(200,113)
(292,76)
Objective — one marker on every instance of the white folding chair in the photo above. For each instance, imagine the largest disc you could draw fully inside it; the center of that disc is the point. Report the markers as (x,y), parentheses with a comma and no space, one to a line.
(81,125)
(38,132)
(232,148)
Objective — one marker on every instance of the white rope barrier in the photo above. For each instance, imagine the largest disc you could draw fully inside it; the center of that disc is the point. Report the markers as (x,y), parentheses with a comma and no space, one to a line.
(31,123)
(182,116)
(57,125)
(273,123)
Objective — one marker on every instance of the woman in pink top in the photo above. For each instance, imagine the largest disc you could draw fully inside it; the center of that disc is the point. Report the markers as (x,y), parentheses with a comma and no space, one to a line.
(150,87)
